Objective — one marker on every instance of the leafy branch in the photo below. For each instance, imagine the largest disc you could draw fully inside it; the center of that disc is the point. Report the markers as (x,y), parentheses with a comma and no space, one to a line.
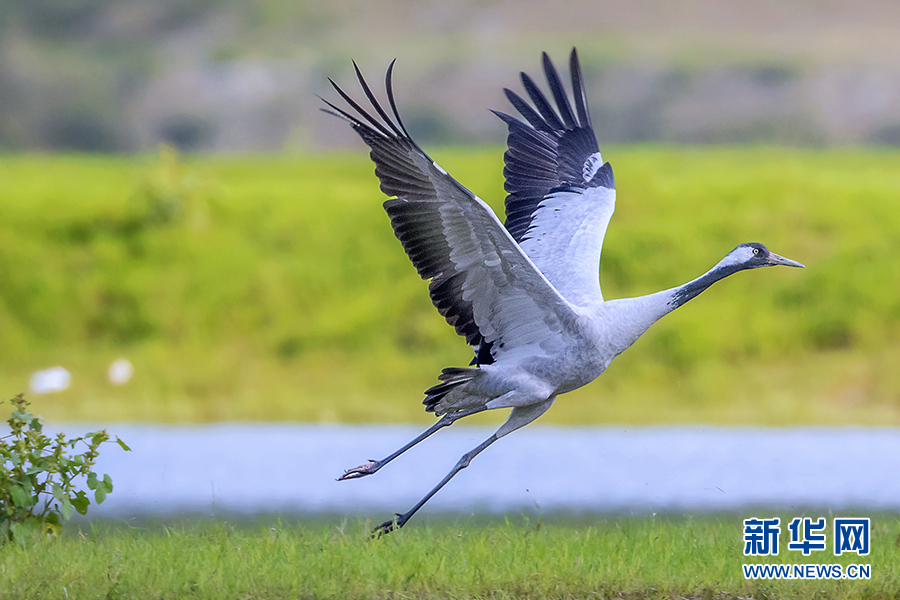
(38,475)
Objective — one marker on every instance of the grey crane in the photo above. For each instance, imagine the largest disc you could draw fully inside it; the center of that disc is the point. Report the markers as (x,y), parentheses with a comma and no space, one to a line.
(526,293)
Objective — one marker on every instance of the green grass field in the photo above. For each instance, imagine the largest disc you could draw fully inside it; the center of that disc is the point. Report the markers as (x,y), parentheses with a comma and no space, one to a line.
(271,288)
(650,557)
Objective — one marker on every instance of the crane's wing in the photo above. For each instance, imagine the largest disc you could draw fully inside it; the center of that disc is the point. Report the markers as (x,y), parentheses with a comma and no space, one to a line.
(561,193)
(481,281)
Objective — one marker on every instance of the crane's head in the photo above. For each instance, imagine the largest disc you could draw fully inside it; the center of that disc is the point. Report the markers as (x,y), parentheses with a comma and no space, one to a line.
(745,256)
(753,256)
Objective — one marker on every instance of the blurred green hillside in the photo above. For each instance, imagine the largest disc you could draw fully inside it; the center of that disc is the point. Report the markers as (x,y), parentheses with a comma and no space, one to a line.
(271,287)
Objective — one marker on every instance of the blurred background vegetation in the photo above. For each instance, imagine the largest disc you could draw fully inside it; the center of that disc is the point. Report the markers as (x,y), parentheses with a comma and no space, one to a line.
(269,287)
(170,193)
(98,75)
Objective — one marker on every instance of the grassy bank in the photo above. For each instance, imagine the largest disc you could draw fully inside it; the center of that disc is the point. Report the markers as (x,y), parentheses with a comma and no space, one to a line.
(651,557)
(268,288)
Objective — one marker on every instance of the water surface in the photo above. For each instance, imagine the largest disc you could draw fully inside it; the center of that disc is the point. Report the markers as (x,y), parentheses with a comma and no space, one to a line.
(257,468)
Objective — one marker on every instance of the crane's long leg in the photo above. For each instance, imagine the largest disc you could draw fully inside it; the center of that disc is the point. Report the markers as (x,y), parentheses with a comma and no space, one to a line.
(373,465)
(519,417)
(401,520)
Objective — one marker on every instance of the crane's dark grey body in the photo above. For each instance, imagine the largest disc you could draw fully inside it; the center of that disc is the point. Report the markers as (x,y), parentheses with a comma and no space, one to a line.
(525,294)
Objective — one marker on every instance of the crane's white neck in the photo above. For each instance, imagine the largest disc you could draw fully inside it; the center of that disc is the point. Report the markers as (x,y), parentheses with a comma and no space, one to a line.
(629,318)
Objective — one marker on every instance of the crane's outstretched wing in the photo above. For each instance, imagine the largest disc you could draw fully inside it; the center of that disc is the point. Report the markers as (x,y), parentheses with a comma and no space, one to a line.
(561,193)
(481,281)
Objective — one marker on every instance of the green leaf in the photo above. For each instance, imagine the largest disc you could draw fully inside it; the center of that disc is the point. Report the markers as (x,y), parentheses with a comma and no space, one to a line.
(81,502)
(92,481)
(100,495)
(66,509)
(20,497)
(107,482)
(123,445)
(58,492)
(39,466)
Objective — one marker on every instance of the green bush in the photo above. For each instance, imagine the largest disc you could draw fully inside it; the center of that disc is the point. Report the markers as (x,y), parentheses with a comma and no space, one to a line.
(37,487)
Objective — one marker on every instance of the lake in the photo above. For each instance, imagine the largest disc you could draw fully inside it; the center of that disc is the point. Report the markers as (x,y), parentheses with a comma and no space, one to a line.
(291,468)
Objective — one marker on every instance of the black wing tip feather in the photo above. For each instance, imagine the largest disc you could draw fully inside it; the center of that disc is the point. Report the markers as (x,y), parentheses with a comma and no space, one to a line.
(584,115)
(559,93)
(385,125)
(546,111)
(363,122)
(389,88)
(543,116)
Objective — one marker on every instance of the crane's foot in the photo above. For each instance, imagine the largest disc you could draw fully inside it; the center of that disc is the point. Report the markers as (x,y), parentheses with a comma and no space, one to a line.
(361,471)
(389,526)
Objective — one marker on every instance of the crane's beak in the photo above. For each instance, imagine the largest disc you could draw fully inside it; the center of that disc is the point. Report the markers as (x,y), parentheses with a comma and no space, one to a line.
(774,259)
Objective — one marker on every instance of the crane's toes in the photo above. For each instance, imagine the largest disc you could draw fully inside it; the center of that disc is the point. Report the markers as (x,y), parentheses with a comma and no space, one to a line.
(361,471)
(388,526)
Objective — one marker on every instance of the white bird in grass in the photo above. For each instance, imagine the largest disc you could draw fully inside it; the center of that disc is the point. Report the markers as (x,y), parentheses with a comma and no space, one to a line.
(526,296)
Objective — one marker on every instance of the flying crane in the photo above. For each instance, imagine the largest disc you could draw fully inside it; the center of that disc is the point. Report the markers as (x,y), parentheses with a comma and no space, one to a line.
(525,293)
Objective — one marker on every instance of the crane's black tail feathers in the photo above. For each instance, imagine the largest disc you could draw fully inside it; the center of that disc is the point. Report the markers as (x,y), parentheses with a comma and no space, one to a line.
(451,377)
